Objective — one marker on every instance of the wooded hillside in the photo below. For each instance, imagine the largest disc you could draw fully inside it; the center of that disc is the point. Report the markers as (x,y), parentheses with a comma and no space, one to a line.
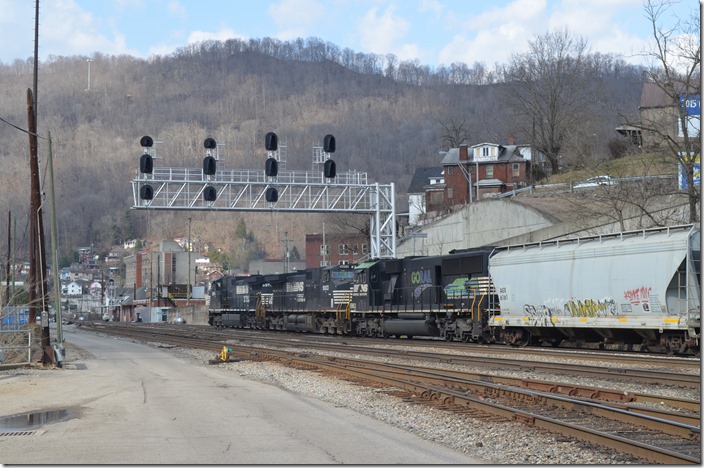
(388,119)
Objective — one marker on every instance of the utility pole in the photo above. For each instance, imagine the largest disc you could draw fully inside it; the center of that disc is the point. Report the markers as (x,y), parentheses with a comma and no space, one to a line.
(89,60)
(55,247)
(286,257)
(188,288)
(9,243)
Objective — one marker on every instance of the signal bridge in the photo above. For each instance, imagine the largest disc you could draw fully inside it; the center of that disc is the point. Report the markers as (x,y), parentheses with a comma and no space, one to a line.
(208,189)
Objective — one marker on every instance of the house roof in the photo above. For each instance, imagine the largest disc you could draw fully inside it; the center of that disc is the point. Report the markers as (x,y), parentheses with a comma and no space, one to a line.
(422,177)
(508,153)
(654,96)
(451,157)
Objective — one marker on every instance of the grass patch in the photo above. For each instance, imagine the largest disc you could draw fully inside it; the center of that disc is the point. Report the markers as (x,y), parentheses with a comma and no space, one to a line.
(638,164)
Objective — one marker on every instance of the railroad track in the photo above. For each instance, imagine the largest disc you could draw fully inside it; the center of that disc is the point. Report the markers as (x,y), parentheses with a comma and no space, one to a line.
(660,374)
(603,356)
(609,418)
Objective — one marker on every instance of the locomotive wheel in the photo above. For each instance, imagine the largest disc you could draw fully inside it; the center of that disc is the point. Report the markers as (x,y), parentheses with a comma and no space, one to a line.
(448,337)
(466,338)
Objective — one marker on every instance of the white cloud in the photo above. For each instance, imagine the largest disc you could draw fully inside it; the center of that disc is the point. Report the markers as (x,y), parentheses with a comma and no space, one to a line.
(221,35)
(431,6)
(177,9)
(68,30)
(383,33)
(296,18)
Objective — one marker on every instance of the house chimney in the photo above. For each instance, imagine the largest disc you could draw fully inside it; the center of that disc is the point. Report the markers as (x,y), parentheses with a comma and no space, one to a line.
(463,153)
(511,140)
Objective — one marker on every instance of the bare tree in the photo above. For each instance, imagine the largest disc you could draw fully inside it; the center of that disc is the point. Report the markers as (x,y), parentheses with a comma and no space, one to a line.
(675,74)
(551,87)
(454,132)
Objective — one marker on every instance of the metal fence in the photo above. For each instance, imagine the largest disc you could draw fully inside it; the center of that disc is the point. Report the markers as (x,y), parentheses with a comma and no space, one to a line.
(15,348)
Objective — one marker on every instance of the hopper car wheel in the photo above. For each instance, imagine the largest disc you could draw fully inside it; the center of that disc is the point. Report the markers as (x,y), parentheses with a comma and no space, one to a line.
(523,341)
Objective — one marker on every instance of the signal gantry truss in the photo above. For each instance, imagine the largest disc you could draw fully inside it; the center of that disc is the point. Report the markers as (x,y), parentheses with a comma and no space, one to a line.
(298,191)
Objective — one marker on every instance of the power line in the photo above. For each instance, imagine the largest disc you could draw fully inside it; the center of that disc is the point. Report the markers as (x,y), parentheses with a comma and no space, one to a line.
(22,129)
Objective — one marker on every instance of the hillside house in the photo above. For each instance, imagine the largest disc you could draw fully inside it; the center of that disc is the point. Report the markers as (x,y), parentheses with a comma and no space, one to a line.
(95,288)
(472,173)
(427,182)
(72,289)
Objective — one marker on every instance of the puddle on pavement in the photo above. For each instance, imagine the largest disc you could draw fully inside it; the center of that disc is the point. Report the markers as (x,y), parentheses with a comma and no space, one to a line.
(30,421)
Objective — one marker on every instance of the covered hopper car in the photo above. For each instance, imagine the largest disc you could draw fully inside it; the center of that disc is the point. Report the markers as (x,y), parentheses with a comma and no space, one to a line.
(640,287)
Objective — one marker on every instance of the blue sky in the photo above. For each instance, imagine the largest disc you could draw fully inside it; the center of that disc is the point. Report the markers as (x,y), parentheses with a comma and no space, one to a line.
(433,32)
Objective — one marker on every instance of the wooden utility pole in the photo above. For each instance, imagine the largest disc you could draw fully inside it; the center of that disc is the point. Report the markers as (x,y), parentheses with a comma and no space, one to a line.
(7,270)
(33,207)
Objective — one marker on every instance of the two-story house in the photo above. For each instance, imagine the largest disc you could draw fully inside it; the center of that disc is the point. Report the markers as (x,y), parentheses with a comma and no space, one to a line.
(72,289)
(472,173)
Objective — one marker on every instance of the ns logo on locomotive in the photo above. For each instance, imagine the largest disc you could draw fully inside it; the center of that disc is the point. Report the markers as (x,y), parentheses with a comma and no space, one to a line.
(639,288)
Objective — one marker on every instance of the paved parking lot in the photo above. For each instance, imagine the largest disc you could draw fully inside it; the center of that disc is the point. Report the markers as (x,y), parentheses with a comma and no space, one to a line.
(133,404)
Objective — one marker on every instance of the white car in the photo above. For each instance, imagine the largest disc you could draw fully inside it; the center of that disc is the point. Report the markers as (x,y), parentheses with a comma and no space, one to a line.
(595,182)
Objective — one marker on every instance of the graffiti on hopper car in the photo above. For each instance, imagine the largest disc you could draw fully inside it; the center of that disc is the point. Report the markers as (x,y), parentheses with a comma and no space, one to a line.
(572,308)
(638,295)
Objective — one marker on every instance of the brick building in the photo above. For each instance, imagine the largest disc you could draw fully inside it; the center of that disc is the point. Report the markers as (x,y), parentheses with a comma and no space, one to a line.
(336,249)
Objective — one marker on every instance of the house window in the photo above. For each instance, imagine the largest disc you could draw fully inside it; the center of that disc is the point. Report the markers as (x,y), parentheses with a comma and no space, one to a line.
(324,249)
(365,249)
(355,249)
(343,249)
(516,170)
(450,193)
(449,170)
(485,151)
(489,171)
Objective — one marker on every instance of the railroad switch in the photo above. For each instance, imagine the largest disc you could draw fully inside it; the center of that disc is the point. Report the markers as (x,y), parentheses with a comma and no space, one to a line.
(224,356)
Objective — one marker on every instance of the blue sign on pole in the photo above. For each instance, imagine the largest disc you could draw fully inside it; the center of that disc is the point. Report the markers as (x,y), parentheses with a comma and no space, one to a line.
(691,104)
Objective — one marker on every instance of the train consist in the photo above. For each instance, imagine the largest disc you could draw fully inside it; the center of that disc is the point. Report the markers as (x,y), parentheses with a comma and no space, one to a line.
(632,288)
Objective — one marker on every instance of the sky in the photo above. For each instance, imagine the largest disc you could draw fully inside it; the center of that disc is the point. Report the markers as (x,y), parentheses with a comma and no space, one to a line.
(433,32)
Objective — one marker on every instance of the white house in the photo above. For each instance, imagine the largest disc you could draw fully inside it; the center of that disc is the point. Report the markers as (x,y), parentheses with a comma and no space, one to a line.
(74,288)
(422,178)
(95,289)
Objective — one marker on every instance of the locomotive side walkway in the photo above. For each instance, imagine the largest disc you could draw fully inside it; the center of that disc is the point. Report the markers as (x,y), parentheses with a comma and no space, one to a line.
(133,404)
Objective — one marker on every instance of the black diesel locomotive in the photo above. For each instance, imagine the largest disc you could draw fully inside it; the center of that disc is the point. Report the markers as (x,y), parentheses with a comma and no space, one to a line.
(442,296)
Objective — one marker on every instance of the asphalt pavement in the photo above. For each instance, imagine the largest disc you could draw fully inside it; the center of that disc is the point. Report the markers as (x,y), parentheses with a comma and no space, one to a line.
(129,403)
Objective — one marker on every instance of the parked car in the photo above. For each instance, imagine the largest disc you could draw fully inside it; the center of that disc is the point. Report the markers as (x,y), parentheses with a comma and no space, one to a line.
(595,182)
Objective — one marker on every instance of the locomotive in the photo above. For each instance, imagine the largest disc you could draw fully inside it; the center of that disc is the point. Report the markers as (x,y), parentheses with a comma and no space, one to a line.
(632,288)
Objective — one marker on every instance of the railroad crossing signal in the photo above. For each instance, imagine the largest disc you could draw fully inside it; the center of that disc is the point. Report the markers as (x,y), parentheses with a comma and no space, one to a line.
(215,189)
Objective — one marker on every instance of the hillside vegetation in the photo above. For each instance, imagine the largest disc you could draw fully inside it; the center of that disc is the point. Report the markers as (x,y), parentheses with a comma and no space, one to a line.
(388,119)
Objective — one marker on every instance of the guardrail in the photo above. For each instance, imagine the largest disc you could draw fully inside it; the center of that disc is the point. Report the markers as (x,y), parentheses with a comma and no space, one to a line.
(616,180)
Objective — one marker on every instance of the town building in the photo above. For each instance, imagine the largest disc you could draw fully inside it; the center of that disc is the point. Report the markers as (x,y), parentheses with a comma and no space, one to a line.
(335,249)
